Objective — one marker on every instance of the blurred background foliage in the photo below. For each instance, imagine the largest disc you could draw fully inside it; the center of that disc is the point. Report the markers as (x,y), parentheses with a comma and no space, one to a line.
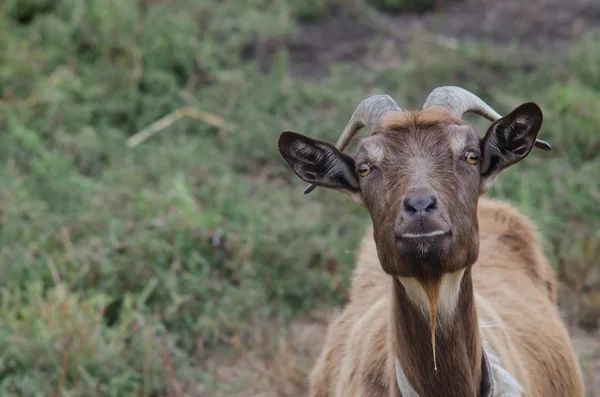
(124,268)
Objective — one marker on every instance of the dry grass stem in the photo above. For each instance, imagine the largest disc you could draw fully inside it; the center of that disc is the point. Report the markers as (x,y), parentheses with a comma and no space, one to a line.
(171,118)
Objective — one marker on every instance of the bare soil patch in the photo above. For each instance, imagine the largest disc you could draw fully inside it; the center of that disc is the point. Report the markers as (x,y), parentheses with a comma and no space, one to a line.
(285,374)
(279,368)
(544,27)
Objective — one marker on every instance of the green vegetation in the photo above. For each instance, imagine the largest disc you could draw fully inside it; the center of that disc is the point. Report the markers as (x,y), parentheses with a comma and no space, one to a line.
(122,267)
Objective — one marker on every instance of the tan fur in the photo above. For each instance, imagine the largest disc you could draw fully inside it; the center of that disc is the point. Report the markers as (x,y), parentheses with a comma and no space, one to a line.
(446,289)
(515,292)
(407,120)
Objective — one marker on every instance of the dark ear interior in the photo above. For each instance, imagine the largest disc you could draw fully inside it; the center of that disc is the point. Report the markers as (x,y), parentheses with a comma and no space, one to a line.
(318,162)
(510,139)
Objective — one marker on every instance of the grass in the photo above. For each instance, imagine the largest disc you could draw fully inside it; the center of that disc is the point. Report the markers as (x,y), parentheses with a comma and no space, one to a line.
(123,267)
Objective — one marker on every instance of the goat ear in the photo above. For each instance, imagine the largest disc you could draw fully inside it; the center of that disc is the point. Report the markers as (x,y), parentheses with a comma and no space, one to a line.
(318,162)
(508,141)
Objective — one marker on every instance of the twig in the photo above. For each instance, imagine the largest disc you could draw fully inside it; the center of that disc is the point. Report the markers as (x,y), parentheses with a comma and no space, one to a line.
(66,238)
(64,368)
(167,366)
(55,276)
(172,117)
(147,361)
(138,62)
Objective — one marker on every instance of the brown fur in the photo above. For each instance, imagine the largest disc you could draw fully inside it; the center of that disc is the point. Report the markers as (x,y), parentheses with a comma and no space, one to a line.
(506,281)
(517,290)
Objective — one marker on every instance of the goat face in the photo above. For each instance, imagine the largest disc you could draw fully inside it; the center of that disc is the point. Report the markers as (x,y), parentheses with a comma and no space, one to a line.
(420,182)
(419,175)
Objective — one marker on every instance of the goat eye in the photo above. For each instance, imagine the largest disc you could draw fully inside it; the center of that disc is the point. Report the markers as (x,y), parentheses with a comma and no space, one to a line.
(364,169)
(472,158)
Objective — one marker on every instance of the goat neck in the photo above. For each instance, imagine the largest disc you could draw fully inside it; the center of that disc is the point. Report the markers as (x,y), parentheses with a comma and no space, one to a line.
(454,368)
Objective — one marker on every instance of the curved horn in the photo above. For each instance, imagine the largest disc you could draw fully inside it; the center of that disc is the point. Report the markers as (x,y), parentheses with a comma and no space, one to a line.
(460,101)
(367,114)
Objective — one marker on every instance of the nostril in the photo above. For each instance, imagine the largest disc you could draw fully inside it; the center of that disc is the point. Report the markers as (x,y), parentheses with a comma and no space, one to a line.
(419,204)
(432,205)
(409,205)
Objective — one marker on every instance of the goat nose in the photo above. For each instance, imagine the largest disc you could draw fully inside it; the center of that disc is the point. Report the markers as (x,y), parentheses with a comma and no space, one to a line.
(414,205)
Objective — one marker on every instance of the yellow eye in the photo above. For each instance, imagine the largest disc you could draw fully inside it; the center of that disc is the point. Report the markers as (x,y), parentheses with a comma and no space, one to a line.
(364,169)
(472,158)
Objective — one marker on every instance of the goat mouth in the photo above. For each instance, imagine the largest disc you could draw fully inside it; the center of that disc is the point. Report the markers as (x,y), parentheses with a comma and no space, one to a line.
(424,235)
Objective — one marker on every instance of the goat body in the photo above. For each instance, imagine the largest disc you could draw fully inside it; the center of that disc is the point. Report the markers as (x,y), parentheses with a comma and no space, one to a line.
(515,299)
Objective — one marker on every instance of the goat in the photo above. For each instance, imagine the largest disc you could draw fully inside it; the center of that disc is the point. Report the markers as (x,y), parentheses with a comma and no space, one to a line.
(451,295)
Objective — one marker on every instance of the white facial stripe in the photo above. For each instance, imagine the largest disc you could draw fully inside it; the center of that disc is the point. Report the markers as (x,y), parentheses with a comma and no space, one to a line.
(457,143)
(374,151)
(448,295)
(416,235)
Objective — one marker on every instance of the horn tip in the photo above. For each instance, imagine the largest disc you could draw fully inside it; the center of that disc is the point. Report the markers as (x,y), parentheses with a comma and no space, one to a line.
(543,145)
(309,189)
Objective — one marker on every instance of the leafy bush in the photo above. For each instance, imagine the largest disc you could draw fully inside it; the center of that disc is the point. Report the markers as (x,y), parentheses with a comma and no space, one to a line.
(123,266)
